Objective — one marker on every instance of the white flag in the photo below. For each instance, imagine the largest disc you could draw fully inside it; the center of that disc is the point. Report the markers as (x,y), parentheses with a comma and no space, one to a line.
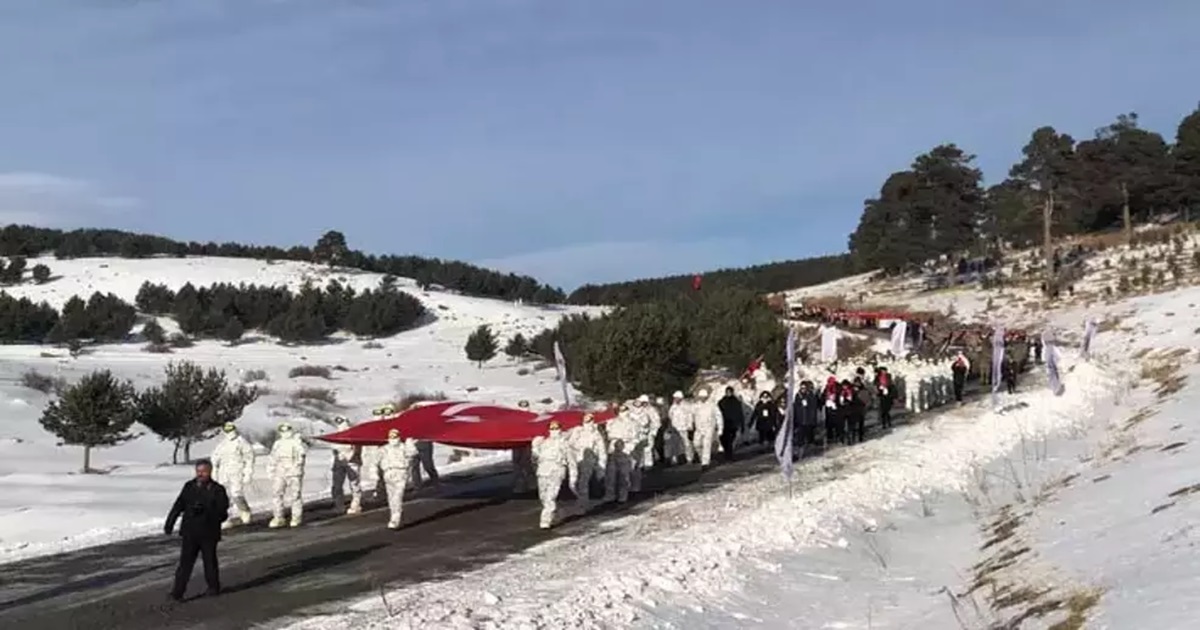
(899,336)
(829,340)
(560,366)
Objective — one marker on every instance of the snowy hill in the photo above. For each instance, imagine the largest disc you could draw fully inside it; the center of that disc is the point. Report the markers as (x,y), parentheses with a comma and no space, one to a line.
(46,506)
(1066,511)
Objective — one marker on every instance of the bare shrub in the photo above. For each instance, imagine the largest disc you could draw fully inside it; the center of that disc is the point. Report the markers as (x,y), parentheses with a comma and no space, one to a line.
(408,399)
(250,376)
(180,340)
(372,345)
(157,348)
(44,383)
(315,371)
(316,394)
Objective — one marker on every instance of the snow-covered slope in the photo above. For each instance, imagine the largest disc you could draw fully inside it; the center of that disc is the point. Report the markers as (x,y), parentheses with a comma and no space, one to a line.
(46,506)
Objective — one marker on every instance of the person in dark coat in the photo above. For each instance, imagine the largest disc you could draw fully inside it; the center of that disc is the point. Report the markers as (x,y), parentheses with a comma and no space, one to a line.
(767,418)
(958,371)
(805,410)
(1008,374)
(204,506)
(834,427)
(733,418)
(887,396)
(853,403)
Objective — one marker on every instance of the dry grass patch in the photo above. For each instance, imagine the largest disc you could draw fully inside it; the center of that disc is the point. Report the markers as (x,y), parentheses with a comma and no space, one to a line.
(314,394)
(1163,370)
(315,371)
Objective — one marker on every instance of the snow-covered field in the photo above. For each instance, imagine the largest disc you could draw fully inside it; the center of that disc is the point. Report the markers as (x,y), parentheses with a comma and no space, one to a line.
(47,506)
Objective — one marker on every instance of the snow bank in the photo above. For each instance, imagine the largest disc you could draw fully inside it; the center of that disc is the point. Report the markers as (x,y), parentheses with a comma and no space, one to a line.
(690,550)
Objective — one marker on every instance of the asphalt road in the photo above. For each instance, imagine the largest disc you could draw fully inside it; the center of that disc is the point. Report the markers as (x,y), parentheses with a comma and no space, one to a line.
(472,520)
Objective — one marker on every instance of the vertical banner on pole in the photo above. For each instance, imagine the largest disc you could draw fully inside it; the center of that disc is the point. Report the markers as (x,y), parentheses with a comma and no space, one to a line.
(783,440)
(1050,349)
(1089,333)
(560,366)
(997,363)
(899,336)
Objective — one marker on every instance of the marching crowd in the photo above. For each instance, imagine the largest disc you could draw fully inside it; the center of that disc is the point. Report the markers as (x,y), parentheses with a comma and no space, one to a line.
(831,406)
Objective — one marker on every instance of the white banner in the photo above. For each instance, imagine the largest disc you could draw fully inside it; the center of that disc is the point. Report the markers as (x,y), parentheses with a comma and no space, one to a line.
(829,340)
(560,366)
(899,337)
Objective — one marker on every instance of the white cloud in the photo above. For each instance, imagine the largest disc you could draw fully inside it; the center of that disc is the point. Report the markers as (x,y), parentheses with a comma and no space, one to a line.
(49,200)
(573,265)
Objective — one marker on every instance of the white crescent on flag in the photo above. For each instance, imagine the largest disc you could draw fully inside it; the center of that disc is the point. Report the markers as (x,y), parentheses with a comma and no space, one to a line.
(544,417)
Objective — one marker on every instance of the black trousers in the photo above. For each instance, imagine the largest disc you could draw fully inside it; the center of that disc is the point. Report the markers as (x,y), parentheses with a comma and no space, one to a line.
(206,549)
(858,427)
(1011,385)
(808,435)
(885,411)
(959,383)
(727,439)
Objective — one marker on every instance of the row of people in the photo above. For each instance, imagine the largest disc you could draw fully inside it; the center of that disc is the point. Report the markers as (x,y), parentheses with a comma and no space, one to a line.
(396,466)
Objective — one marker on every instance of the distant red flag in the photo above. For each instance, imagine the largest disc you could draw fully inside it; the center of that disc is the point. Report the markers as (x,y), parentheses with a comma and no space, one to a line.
(696,279)
(754,365)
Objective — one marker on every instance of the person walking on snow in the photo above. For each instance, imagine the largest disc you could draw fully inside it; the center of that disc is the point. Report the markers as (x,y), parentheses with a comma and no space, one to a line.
(767,418)
(733,418)
(233,468)
(204,505)
(805,410)
(682,419)
(522,462)
(590,454)
(347,468)
(960,367)
(287,476)
(424,459)
(887,396)
(622,433)
(395,459)
(708,422)
(644,423)
(552,455)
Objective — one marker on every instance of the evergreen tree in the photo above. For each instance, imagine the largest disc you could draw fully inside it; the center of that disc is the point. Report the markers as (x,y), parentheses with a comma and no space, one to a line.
(41,273)
(14,271)
(634,350)
(1185,162)
(191,406)
(154,333)
(72,322)
(155,299)
(109,318)
(517,347)
(481,345)
(95,412)
(233,330)
(330,248)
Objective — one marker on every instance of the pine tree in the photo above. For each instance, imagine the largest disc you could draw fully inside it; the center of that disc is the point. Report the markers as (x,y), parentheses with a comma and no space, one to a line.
(191,406)
(154,333)
(72,322)
(481,345)
(97,411)
(14,271)
(233,330)
(41,273)
(517,347)
(331,248)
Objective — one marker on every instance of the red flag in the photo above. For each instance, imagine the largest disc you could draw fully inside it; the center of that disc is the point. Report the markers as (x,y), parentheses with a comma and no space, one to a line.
(754,365)
(696,279)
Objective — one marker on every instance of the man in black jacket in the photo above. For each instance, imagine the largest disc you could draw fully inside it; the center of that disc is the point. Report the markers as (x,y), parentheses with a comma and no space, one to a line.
(804,412)
(733,418)
(204,505)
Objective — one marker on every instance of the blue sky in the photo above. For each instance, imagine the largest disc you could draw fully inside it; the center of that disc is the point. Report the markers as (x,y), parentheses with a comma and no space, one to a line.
(576,140)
